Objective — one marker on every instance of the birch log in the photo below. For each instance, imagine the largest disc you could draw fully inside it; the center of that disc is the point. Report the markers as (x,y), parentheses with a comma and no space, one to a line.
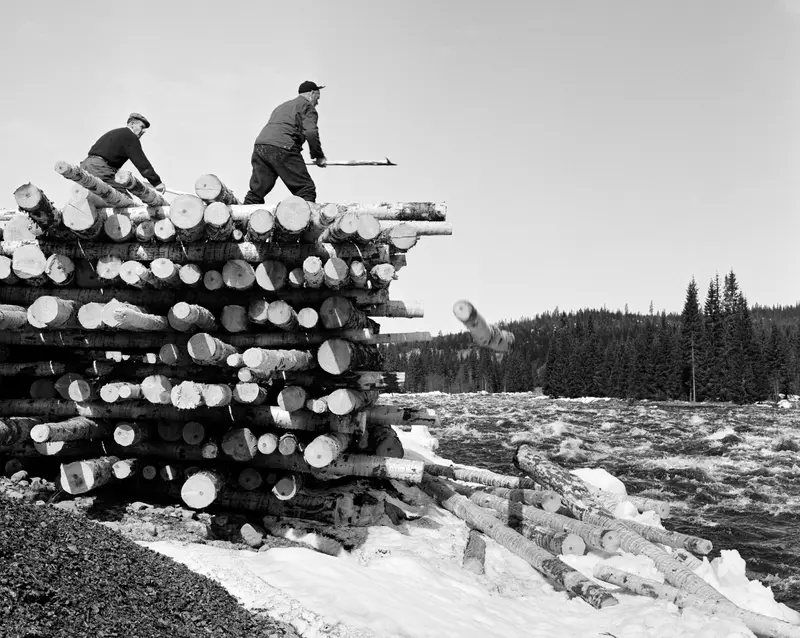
(482,333)
(77,428)
(83,476)
(202,489)
(210,188)
(186,213)
(38,207)
(541,560)
(108,194)
(149,196)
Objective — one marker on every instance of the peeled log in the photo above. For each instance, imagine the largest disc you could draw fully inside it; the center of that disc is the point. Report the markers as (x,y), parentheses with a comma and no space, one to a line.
(240,444)
(129,182)
(581,503)
(77,428)
(105,192)
(759,624)
(325,449)
(38,207)
(541,560)
(82,476)
(202,489)
(482,333)
(210,188)
(337,356)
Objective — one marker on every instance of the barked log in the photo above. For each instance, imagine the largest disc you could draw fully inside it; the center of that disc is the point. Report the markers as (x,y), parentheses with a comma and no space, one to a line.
(17,429)
(325,449)
(483,334)
(210,188)
(579,500)
(593,535)
(157,300)
(149,196)
(759,624)
(83,476)
(540,559)
(548,500)
(209,252)
(77,428)
(480,476)
(641,503)
(336,356)
(37,206)
(671,539)
(105,192)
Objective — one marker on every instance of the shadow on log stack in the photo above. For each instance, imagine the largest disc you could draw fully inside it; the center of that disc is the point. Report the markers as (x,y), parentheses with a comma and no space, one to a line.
(151,336)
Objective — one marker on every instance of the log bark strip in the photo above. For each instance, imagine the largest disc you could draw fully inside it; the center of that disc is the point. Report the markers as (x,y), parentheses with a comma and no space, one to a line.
(541,560)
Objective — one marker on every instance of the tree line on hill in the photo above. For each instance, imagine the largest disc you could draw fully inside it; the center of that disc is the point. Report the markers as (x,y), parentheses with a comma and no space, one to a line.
(720,351)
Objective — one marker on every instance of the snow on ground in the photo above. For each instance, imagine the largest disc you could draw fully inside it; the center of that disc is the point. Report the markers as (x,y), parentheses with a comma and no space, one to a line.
(407,581)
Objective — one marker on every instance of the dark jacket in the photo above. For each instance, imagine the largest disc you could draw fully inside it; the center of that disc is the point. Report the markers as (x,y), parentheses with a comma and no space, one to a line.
(291,124)
(119,146)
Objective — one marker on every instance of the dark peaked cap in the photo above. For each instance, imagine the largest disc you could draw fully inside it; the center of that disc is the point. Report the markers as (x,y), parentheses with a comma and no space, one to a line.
(141,118)
(307,86)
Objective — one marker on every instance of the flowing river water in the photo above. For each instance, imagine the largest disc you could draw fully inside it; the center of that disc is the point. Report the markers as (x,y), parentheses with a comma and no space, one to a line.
(731,473)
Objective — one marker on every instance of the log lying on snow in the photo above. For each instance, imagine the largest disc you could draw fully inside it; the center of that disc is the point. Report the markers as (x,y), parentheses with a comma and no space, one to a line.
(483,477)
(83,476)
(641,503)
(579,500)
(540,559)
(593,535)
(105,192)
(759,624)
(482,333)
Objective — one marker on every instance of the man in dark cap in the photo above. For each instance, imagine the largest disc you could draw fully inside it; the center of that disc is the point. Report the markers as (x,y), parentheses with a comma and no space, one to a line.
(118,146)
(277,148)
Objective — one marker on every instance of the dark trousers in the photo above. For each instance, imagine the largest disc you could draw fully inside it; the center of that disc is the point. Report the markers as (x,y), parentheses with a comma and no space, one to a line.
(270,163)
(100,168)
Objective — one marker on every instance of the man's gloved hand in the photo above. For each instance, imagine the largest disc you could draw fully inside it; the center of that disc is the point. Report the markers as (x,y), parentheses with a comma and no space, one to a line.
(322,162)
(161,188)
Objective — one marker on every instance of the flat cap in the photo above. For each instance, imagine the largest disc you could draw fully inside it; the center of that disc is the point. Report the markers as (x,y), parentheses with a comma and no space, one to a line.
(307,86)
(141,118)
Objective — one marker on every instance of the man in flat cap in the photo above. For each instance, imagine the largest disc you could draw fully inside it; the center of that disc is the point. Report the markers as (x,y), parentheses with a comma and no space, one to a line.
(277,148)
(118,146)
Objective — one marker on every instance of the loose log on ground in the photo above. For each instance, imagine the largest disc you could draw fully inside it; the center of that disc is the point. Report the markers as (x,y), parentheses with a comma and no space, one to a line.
(83,476)
(643,504)
(129,182)
(759,624)
(548,500)
(551,540)
(210,188)
(581,503)
(482,333)
(541,560)
(475,553)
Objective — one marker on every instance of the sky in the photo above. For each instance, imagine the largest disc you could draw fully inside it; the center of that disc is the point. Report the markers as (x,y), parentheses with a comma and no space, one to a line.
(590,154)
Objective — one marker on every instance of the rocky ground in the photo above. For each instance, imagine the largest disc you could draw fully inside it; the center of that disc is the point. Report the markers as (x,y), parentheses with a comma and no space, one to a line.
(71,568)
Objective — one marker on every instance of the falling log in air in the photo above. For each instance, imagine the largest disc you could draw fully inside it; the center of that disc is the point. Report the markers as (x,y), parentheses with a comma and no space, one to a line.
(482,333)
(149,196)
(210,188)
(83,476)
(540,559)
(108,194)
(38,207)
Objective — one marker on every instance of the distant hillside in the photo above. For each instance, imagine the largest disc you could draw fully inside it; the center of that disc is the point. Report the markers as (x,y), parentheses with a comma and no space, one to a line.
(722,350)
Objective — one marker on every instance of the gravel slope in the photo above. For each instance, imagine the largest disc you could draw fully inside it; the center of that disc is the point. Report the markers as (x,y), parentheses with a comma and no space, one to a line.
(62,575)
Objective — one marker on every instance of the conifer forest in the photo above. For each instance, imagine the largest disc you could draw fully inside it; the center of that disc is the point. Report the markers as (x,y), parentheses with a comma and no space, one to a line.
(717,350)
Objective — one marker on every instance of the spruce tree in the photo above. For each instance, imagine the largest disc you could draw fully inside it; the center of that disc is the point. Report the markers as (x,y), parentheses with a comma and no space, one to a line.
(691,338)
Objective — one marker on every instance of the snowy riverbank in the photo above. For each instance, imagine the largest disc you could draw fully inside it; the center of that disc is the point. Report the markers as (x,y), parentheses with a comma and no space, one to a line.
(407,580)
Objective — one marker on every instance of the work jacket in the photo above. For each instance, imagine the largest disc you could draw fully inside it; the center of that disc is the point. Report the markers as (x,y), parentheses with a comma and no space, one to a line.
(291,124)
(120,145)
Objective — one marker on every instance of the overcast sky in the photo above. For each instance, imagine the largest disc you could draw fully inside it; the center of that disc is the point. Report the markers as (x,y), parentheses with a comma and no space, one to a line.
(591,153)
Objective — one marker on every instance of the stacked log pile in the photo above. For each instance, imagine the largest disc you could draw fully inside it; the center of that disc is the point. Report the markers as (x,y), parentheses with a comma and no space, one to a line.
(202,349)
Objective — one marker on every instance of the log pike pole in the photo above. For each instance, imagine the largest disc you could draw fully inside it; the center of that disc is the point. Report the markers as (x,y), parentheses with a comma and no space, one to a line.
(383,162)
